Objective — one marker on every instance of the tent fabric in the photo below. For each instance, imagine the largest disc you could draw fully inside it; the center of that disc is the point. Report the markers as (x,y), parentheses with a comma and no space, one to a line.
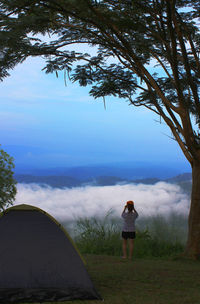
(38,261)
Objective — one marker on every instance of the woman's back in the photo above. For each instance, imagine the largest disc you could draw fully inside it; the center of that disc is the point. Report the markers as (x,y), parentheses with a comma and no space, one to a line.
(129,220)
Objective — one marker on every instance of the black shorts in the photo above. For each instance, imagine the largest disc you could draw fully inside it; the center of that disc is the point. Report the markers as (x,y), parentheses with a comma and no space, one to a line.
(128,235)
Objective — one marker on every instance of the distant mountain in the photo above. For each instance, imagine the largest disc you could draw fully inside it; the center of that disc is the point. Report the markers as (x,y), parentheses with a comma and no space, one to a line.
(130,171)
(53,181)
(35,160)
(146,181)
(183,180)
(180,178)
(107,181)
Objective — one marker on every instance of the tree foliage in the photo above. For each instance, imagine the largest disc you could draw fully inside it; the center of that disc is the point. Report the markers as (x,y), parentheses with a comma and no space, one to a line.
(7,182)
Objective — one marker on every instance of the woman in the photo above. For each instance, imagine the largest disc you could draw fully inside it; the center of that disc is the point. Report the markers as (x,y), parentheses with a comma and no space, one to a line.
(129,216)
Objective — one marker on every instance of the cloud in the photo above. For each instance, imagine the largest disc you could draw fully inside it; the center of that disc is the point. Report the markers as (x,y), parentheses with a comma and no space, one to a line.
(69,204)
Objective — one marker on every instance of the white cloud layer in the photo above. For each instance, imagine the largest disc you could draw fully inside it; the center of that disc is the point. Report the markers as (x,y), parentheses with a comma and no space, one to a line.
(69,204)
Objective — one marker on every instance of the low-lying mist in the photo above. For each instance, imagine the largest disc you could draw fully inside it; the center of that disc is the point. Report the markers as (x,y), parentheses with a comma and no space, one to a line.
(69,204)
(163,208)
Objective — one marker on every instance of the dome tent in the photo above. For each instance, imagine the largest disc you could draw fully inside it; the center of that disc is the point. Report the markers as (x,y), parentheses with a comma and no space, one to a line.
(38,260)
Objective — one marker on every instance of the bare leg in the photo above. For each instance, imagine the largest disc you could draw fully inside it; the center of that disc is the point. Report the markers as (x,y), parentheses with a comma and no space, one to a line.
(124,248)
(131,245)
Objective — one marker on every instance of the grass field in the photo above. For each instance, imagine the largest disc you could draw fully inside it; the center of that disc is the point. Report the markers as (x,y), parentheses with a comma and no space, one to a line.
(144,281)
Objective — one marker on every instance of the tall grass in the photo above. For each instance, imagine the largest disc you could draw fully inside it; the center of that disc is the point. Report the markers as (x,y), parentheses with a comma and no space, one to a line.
(98,235)
(155,237)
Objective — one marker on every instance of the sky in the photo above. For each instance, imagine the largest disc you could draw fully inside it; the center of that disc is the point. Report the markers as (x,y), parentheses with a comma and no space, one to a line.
(47,124)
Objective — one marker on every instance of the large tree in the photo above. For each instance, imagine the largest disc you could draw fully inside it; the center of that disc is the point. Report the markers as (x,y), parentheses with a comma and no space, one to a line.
(128,36)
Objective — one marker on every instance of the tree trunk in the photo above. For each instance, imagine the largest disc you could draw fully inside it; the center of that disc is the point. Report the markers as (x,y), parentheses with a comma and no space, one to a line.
(193,241)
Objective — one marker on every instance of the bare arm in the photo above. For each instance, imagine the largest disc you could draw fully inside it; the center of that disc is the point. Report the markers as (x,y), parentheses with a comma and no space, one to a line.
(125,207)
(135,210)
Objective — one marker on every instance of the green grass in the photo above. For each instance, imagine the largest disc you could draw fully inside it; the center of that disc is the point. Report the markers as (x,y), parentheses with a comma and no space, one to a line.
(144,281)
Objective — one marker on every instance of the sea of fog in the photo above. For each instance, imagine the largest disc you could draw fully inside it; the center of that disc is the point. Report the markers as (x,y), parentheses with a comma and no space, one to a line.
(70,204)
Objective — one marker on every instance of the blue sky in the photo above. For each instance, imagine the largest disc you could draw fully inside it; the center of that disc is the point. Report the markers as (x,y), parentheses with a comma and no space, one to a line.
(45,124)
